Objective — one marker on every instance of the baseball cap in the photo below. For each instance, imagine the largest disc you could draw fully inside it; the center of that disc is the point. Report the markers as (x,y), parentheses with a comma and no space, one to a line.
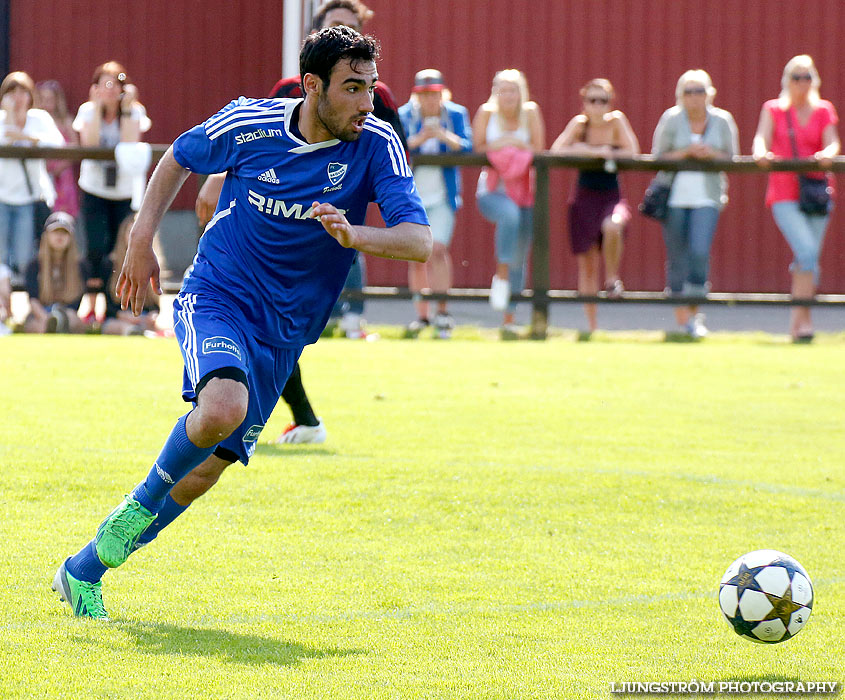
(59,219)
(428,80)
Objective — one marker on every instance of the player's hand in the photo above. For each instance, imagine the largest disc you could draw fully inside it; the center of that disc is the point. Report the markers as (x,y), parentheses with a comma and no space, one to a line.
(207,198)
(140,270)
(335,223)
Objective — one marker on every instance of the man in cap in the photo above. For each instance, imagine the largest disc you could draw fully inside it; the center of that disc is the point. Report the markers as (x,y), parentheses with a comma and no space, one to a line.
(435,124)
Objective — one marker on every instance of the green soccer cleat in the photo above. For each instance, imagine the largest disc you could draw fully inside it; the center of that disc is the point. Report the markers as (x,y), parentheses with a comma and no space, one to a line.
(118,533)
(84,598)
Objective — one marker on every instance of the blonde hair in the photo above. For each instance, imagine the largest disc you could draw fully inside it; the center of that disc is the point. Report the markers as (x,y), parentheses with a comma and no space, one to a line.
(66,287)
(510,75)
(800,61)
(694,76)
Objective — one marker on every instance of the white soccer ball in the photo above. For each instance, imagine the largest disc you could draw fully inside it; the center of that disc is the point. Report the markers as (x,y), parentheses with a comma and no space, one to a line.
(766,596)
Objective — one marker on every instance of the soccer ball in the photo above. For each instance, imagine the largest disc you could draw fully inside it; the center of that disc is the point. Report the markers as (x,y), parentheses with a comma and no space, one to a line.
(766,596)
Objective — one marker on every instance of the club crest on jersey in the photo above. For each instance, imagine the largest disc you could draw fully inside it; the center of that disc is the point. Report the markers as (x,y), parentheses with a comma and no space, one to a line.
(336,172)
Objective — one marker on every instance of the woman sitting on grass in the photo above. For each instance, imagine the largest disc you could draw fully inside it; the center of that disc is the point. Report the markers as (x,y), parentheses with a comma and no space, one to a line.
(54,280)
(117,321)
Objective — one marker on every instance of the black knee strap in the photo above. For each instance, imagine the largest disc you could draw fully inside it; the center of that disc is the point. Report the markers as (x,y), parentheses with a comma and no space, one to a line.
(235,373)
(225,455)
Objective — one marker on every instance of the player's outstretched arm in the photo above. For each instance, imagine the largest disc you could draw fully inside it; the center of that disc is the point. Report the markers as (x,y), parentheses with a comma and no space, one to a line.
(405,241)
(140,267)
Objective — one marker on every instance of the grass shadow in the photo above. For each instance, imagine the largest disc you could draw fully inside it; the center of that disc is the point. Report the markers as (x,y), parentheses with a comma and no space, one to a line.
(270,450)
(169,639)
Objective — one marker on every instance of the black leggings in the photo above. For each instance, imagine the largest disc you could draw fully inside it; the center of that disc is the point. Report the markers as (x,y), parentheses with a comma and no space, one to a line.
(102,219)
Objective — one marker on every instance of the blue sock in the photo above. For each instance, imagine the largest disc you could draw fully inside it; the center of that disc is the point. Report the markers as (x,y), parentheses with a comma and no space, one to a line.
(168,513)
(86,565)
(178,456)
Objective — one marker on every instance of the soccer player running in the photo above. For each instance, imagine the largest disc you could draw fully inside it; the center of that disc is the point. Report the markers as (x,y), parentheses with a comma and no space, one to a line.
(269,268)
(306,427)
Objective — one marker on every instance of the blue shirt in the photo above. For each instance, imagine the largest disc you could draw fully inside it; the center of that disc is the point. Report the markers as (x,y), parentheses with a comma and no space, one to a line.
(262,252)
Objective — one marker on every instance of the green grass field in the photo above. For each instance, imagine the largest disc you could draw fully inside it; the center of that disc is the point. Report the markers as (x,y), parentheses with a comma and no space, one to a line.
(486,520)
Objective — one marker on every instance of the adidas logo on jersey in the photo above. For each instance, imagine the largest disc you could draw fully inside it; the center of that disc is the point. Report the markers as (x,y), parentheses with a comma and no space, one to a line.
(269,176)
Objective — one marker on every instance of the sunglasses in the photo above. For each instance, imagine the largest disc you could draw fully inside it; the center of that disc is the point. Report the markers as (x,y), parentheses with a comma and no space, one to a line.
(596,100)
(695,91)
(798,77)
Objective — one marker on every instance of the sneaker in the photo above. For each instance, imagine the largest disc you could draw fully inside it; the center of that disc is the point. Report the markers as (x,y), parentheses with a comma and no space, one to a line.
(84,598)
(695,327)
(352,326)
(298,434)
(414,328)
(444,324)
(500,293)
(118,533)
(509,332)
(614,289)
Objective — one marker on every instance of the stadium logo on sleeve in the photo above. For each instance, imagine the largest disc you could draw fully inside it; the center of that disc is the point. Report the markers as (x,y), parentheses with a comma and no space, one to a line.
(336,172)
(243,138)
(219,343)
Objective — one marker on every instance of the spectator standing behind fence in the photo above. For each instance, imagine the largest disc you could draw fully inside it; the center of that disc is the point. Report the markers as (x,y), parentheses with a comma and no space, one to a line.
(509,129)
(50,97)
(110,117)
(435,124)
(799,124)
(55,280)
(597,213)
(693,129)
(23,181)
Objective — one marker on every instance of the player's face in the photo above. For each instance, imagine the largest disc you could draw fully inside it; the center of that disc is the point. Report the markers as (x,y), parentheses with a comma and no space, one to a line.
(344,105)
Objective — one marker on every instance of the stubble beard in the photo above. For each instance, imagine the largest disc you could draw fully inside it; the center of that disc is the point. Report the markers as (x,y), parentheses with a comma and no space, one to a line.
(330,123)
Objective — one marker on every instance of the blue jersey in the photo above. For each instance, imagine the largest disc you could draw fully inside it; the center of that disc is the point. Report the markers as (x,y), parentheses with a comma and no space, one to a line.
(262,252)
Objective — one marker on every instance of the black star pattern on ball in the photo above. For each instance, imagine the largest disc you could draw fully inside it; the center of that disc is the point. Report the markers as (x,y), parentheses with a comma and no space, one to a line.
(745,581)
(743,627)
(782,607)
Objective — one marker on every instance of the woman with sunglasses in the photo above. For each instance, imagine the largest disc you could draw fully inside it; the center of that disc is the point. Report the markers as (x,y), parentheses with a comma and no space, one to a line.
(693,129)
(112,115)
(798,124)
(597,213)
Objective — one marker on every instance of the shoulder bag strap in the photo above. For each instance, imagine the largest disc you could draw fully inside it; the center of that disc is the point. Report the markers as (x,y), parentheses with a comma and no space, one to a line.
(791,129)
(22,161)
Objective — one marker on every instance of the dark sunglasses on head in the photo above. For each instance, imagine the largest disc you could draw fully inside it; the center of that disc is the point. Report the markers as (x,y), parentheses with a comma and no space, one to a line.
(797,77)
(695,91)
(596,100)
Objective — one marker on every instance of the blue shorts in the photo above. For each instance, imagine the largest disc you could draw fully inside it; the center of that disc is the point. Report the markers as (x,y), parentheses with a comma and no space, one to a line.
(213,336)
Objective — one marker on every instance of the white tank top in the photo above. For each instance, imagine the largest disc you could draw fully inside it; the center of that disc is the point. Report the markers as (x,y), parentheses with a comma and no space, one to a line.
(495,131)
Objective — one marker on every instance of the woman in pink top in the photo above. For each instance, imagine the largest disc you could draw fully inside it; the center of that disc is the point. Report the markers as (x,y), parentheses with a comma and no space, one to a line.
(800,117)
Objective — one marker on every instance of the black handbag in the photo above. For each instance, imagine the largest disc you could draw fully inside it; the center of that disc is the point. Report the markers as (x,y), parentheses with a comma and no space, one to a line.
(813,192)
(655,204)
(813,195)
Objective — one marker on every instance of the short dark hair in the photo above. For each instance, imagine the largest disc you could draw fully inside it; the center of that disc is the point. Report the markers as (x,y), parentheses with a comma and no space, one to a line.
(363,12)
(322,50)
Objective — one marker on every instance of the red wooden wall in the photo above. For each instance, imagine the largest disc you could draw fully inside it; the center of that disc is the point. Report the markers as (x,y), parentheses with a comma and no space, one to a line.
(189,57)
